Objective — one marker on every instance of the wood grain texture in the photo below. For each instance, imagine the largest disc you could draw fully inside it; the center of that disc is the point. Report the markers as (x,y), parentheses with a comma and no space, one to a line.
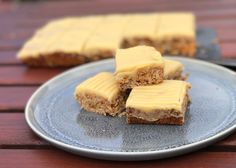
(226,36)
(14,98)
(23,75)
(64,8)
(61,159)
(228,49)
(15,132)
(9,58)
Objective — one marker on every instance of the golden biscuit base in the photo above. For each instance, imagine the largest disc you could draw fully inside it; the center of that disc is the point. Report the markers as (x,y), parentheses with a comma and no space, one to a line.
(98,104)
(169,120)
(144,76)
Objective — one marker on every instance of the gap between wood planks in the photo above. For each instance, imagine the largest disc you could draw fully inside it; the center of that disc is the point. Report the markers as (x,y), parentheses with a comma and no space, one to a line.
(57,158)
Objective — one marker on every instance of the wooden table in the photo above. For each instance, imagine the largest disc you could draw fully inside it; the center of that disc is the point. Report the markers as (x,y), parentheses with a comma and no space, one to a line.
(20,147)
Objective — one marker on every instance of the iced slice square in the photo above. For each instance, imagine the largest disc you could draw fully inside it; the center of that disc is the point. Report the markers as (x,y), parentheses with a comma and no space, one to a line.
(101,94)
(140,65)
(165,103)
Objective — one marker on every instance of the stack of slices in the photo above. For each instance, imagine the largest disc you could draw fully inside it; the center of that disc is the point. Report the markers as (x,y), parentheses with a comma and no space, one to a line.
(147,87)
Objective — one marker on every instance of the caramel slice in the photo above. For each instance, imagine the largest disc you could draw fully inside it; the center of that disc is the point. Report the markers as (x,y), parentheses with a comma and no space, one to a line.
(165,103)
(173,70)
(141,65)
(101,94)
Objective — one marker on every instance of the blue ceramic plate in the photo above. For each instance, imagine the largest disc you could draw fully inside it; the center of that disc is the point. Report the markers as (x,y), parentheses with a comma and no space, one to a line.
(54,115)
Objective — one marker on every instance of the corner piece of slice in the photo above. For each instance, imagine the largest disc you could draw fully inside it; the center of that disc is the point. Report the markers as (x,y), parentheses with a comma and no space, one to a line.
(176,34)
(101,94)
(165,103)
(140,65)
(59,43)
(173,70)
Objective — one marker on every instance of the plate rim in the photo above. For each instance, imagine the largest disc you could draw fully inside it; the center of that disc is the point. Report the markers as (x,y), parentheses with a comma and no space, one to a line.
(121,155)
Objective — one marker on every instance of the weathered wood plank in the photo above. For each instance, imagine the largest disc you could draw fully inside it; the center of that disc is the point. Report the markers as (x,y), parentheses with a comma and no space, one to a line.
(9,58)
(101,5)
(228,50)
(15,98)
(22,75)
(60,159)
(15,132)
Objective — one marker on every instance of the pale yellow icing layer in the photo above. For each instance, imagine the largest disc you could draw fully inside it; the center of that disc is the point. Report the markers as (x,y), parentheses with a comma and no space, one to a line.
(102,84)
(99,44)
(107,36)
(64,35)
(142,26)
(171,67)
(176,25)
(167,95)
(89,23)
(112,25)
(131,59)
(68,44)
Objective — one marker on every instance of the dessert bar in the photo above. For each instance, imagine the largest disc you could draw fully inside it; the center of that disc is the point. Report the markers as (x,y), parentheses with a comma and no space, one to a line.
(141,65)
(101,94)
(165,103)
(173,70)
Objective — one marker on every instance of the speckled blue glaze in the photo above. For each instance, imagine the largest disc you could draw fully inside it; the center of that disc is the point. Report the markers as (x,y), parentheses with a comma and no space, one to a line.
(54,114)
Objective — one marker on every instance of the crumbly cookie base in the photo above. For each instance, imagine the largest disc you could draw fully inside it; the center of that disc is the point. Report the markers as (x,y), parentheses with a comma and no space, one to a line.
(94,103)
(98,55)
(143,76)
(132,42)
(55,60)
(63,59)
(174,46)
(176,76)
(177,46)
(165,120)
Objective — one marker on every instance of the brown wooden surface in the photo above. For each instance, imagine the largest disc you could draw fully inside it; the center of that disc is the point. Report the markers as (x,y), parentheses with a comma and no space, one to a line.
(20,147)
(54,158)
(49,158)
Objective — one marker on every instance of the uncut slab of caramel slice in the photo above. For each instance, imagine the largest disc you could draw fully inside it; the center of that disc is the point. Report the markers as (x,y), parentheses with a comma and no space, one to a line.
(77,40)
(165,103)
(101,94)
(176,34)
(173,70)
(141,65)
